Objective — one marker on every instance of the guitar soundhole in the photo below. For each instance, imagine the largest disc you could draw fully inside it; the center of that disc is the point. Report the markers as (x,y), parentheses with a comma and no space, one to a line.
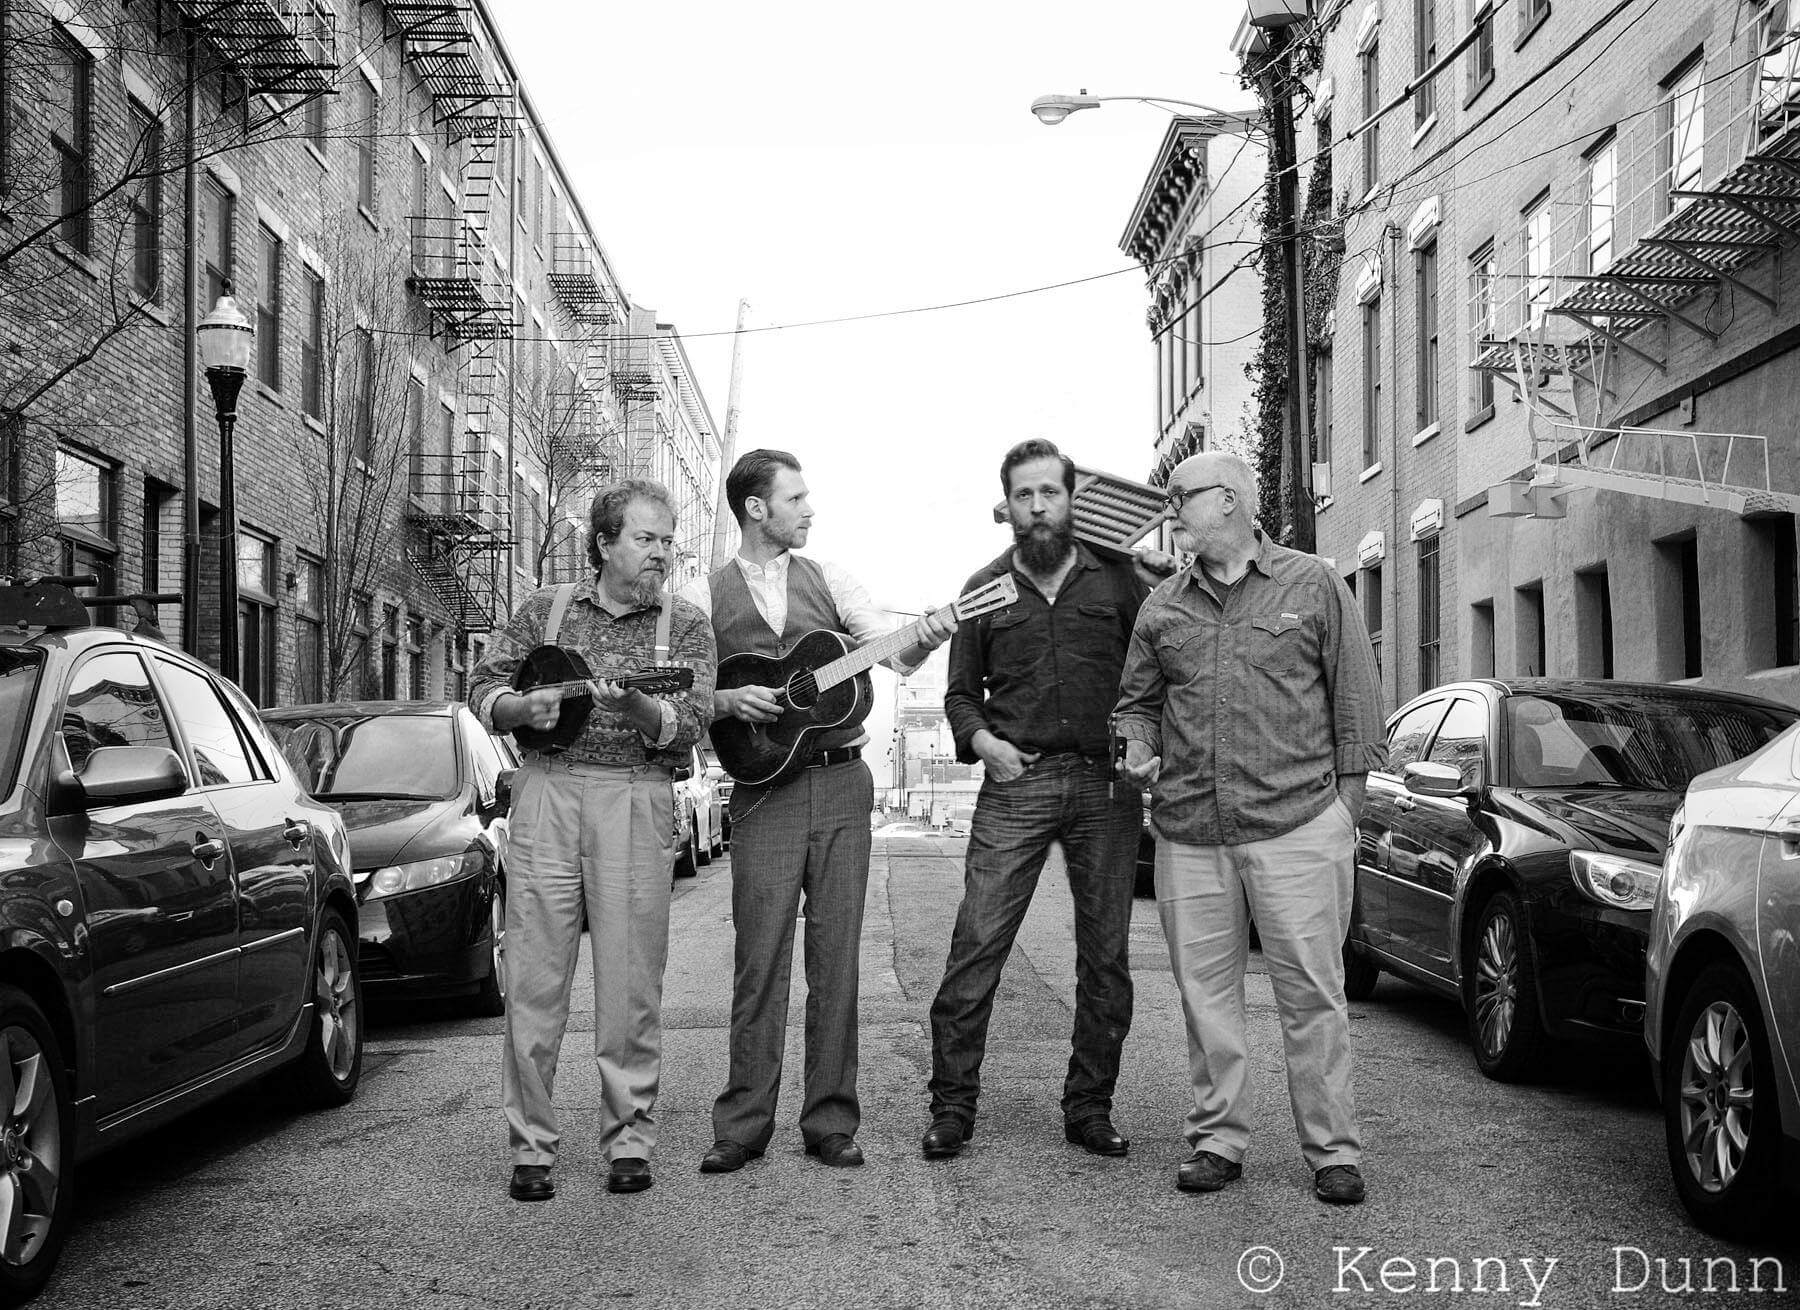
(802,691)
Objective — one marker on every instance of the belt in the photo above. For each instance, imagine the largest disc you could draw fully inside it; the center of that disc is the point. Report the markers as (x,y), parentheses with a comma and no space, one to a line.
(836,755)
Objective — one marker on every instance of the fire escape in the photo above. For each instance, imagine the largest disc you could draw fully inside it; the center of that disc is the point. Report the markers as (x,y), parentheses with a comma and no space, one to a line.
(591,437)
(1609,274)
(459,509)
(276,47)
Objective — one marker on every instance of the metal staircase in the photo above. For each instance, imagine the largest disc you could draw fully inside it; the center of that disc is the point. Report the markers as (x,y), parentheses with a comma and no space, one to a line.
(277,47)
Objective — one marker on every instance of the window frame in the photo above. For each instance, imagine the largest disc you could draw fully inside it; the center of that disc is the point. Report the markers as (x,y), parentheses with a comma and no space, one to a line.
(270,251)
(146,204)
(1371,380)
(74,153)
(1430,597)
(1427,326)
(1425,54)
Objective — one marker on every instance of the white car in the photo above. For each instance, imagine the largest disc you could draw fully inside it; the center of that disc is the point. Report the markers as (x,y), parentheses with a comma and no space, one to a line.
(699,817)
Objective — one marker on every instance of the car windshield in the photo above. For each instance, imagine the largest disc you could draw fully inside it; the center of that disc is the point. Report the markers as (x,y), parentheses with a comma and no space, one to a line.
(410,755)
(18,679)
(1641,742)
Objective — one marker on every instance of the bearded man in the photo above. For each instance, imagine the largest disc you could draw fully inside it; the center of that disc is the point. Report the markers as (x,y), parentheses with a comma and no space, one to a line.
(1029,693)
(593,831)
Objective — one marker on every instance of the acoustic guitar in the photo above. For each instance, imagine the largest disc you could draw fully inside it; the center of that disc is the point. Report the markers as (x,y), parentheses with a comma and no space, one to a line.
(567,671)
(821,684)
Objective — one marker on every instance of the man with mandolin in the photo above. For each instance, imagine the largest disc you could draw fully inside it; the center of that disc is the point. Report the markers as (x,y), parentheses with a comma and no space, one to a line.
(593,823)
(791,633)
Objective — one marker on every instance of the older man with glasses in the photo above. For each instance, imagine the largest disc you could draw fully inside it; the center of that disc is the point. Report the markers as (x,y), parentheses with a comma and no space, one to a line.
(1251,701)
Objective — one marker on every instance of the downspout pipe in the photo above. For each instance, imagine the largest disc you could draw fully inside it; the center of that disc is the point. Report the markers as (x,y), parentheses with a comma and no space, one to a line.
(190,358)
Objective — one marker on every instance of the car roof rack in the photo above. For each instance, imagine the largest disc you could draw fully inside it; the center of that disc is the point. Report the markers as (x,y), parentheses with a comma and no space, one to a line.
(48,603)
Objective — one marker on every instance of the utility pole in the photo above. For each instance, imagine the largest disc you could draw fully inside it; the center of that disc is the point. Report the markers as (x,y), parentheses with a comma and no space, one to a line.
(728,444)
(1296,444)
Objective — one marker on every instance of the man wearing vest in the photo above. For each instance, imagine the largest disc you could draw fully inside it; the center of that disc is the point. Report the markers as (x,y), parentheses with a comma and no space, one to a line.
(809,833)
(593,829)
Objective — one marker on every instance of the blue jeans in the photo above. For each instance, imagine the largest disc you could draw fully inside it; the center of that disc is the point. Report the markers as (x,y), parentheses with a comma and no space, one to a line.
(1059,798)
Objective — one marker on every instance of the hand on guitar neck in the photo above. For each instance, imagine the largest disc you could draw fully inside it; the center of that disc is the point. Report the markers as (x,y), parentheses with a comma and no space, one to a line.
(755,704)
(542,706)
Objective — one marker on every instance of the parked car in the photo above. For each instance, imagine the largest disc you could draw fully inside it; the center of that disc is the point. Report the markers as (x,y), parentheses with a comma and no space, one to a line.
(1509,854)
(176,913)
(423,789)
(1722,1020)
(699,816)
(723,783)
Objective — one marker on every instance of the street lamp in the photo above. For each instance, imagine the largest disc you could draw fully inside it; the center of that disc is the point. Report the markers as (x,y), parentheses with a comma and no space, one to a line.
(1051,110)
(224,337)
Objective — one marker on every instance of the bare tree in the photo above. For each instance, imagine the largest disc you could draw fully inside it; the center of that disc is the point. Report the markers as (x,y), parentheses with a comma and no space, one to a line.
(572,441)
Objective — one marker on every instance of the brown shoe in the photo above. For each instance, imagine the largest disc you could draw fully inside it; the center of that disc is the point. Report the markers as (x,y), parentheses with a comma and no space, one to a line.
(1206,1171)
(531,1182)
(1339,1184)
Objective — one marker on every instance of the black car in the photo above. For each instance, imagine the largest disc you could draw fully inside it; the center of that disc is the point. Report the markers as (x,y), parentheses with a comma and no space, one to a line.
(176,913)
(1510,853)
(423,789)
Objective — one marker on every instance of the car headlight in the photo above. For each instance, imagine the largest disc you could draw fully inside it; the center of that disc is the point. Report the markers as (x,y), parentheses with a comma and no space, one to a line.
(417,874)
(1613,880)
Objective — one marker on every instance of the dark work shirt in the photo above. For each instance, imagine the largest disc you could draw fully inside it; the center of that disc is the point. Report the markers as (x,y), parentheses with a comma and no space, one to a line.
(1257,697)
(1044,675)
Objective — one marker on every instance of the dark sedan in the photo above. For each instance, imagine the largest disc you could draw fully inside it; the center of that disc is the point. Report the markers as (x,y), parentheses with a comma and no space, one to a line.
(423,791)
(1510,853)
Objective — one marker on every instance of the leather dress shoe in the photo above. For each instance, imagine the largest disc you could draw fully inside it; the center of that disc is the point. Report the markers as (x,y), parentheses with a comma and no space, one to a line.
(1339,1184)
(531,1182)
(839,1150)
(1207,1171)
(629,1174)
(946,1137)
(1096,1136)
(727,1157)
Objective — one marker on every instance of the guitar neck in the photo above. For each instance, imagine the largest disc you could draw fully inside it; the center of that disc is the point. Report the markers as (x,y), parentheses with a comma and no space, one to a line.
(866,657)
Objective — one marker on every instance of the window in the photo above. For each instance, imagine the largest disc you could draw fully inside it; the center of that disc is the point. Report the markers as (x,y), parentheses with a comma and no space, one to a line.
(1425,54)
(309,630)
(1531,13)
(440,481)
(390,652)
(1425,365)
(316,122)
(1537,260)
(415,438)
(421,183)
(1482,272)
(1167,402)
(1481,639)
(1462,740)
(1778,73)
(1678,615)
(415,658)
(1371,380)
(86,523)
(368,130)
(1407,738)
(362,378)
(1429,667)
(68,113)
(1683,114)
(456,662)
(111,703)
(1529,645)
(1371,599)
(256,618)
(218,216)
(1593,623)
(268,309)
(1371,101)
(145,203)
(356,662)
(1775,630)
(1603,182)
(1481,50)
(1322,410)
(312,344)
(221,747)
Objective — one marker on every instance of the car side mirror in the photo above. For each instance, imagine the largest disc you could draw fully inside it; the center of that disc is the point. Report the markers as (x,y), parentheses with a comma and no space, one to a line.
(1429,778)
(130,775)
(680,773)
(503,785)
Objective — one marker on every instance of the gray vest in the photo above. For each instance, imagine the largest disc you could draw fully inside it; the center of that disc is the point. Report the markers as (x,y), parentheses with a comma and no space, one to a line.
(739,627)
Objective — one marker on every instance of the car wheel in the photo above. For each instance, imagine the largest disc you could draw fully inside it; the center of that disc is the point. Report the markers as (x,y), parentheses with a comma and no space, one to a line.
(1360,973)
(687,859)
(1502,994)
(331,1064)
(490,1000)
(37,1183)
(703,851)
(1720,1115)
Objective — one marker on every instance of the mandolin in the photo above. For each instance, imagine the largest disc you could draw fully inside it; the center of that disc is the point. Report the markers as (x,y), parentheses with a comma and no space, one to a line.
(566,671)
(821,684)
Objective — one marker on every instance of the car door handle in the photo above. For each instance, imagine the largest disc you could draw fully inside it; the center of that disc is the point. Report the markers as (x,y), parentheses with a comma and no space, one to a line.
(1404,803)
(296,832)
(208,851)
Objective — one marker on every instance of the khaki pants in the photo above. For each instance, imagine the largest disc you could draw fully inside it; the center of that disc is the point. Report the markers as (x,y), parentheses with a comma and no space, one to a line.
(600,838)
(1298,886)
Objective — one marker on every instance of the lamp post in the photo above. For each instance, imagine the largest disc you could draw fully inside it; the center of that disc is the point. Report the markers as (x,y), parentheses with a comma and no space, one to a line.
(224,337)
(1051,110)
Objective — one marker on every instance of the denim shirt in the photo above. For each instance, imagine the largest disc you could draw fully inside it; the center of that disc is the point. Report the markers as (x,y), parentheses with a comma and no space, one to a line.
(1256,700)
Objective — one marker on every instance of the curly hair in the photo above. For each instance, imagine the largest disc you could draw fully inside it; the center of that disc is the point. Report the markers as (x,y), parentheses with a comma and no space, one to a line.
(606,518)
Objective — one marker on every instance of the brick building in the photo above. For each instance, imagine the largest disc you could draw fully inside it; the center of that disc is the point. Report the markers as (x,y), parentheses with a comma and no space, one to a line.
(445,361)
(1554,422)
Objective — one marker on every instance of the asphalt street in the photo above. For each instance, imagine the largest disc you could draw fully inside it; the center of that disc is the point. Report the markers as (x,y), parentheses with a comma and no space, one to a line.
(1480,1194)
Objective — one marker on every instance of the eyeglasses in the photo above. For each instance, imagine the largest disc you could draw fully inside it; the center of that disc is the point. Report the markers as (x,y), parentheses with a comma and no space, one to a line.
(1175,495)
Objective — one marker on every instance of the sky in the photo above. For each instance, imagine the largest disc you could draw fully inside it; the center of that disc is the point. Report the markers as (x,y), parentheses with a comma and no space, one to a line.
(822,160)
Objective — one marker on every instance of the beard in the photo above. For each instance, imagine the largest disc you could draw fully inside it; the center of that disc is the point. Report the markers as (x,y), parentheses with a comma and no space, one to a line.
(645,588)
(1043,546)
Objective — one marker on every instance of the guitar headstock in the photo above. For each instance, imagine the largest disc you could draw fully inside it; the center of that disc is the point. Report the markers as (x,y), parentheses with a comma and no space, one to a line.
(661,680)
(987,598)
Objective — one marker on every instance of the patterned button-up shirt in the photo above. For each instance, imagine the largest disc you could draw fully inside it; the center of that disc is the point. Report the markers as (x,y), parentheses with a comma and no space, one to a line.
(612,644)
(1256,696)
